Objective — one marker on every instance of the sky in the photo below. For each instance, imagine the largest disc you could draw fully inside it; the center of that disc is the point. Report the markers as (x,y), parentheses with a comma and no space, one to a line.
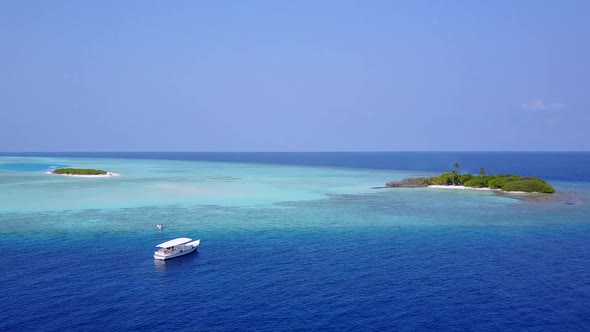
(294,75)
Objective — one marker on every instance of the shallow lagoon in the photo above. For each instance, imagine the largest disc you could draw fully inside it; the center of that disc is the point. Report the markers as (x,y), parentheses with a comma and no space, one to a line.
(158,183)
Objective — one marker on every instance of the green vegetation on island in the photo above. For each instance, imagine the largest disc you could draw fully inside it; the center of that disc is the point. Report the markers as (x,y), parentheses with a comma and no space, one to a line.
(506,182)
(79,171)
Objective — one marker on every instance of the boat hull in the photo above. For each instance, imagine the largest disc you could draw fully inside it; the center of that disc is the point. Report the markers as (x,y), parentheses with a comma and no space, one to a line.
(174,255)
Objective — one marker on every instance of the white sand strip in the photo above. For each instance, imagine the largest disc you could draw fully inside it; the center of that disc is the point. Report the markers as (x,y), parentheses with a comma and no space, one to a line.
(436,186)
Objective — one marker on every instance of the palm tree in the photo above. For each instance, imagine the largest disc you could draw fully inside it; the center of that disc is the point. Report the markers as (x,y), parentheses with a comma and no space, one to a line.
(457,166)
(454,177)
(482,171)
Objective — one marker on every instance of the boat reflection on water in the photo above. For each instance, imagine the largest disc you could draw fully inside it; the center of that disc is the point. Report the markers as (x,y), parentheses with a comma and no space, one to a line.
(175,264)
(160,265)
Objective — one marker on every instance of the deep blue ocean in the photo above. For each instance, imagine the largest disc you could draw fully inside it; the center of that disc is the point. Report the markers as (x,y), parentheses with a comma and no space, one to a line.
(302,259)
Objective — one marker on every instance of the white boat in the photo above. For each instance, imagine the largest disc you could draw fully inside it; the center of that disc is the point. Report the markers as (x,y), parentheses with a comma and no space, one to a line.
(160,226)
(175,248)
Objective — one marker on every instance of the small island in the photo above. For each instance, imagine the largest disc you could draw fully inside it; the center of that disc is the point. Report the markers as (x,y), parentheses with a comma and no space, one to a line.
(82,172)
(454,180)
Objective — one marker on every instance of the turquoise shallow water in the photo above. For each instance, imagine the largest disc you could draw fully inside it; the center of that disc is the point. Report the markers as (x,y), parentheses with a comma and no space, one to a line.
(157,183)
(284,247)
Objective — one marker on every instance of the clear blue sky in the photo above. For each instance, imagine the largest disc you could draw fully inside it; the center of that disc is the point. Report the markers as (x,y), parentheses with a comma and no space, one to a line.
(294,75)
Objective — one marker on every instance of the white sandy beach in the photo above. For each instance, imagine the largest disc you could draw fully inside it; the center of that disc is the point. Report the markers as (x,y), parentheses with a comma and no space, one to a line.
(436,186)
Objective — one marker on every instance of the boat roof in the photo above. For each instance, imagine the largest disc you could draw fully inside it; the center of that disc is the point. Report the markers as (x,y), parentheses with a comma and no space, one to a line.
(175,242)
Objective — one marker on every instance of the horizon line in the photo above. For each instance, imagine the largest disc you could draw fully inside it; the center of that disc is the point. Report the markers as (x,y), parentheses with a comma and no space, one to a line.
(302,151)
